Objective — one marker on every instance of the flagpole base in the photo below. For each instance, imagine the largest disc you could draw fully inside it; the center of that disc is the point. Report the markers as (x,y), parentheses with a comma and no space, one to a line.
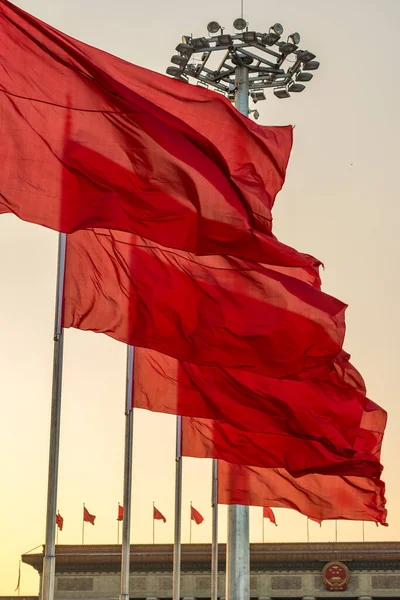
(238,554)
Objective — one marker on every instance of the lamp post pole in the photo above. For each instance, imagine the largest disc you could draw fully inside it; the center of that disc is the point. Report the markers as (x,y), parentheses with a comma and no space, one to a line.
(238,549)
(252,63)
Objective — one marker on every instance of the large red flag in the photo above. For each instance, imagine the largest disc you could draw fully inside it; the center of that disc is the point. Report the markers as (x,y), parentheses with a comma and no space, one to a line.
(329,410)
(195,515)
(202,438)
(158,516)
(268,513)
(87,517)
(319,497)
(148,154)
(210,310)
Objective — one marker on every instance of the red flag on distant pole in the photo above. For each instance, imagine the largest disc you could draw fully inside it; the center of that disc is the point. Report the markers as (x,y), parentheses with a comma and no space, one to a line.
(120,513)
(87,518)
(59,521)
(268,513)
(195,515)
(157,516)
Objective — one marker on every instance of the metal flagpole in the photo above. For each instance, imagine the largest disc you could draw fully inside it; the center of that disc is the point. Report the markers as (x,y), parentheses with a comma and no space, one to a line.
(214,548)
(263,526)
(335,531)
(176,577)
(49,560)
(118,527)
(153,526)
(238,550)
(308,529)
(190,524)
(83,525)
(126,521)
(363,530)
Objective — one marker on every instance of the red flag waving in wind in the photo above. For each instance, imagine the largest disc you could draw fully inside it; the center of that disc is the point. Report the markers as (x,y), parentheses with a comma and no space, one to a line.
(214,310)
(195,515)
(202,438)
(319,497)
(120,516)
(321,410)
(158,516)
(268,513)
(59,521)
(146,154)
(87,517)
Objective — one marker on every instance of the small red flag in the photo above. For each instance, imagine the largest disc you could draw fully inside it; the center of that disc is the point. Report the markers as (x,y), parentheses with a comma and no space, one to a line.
(196,516)
(319,521)
(88,517)
(269,514)
(59,521)
(158,516)
(120,513)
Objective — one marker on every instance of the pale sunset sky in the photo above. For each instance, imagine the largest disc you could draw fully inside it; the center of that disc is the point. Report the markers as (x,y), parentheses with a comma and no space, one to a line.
(340,203)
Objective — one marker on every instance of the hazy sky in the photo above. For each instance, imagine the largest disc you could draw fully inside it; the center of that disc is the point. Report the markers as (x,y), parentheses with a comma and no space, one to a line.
(340,203)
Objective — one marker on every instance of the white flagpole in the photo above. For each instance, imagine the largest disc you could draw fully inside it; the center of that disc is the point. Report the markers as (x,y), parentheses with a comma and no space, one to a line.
(214,549)
(126,522)
(49,559)
(176,576)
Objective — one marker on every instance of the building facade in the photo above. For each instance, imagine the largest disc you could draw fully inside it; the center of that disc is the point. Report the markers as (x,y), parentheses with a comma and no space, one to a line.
(356,571)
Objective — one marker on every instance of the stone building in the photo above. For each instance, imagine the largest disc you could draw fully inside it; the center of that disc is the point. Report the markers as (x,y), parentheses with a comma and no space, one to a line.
(356,571)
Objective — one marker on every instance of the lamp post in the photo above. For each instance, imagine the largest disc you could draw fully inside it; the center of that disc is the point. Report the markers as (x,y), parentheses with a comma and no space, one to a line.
(271,62)
(251,63)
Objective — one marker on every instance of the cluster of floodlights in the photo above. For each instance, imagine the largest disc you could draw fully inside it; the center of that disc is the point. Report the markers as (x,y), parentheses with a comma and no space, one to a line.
(271,62)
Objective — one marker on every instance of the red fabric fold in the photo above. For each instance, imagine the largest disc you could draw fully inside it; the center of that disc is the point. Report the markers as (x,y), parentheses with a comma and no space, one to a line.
(319,497)
(202,438)
(145,153)
(328,411)
(213,310)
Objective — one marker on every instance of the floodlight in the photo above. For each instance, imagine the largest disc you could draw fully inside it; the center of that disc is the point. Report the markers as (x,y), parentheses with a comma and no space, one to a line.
(213,27)
(224,40)
(311,66)
(296,87)
(281,92)
(200,43)
(174,71)
(269,39)
(184,49)
(305,56)
(179,60)
(250,37)
(231,96)
(186,39)
(277,28)
(258,95)
(239,24)
(304,76)
(287,48)
(294,38)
